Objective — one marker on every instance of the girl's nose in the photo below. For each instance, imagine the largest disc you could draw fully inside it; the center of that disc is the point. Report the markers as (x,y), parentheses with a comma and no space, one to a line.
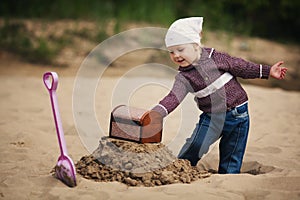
(176,54)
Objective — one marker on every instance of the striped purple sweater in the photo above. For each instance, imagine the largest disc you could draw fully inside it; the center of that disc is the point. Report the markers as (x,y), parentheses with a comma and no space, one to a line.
(198,76)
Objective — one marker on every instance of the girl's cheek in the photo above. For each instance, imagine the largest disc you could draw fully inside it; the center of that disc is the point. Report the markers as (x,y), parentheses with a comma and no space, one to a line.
(172,57)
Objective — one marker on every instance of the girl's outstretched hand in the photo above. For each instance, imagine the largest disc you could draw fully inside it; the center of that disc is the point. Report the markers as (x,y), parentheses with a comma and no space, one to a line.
(277,71)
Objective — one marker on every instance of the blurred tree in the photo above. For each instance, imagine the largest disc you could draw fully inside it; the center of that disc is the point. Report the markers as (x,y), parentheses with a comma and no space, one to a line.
(277,19)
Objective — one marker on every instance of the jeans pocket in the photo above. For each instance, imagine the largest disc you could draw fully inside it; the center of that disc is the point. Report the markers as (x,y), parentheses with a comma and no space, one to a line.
(240,112)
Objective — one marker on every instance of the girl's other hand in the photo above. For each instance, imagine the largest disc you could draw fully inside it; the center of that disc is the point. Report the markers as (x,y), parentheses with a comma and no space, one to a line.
(277,71)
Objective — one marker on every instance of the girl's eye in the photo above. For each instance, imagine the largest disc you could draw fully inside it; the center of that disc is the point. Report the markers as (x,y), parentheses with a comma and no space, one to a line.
(180,50)
(171,52)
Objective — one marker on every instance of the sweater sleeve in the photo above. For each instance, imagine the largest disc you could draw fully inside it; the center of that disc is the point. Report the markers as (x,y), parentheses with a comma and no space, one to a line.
(174,97)
(241,68)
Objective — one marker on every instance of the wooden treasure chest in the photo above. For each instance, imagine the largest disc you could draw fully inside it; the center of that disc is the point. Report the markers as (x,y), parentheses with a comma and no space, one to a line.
(135,124)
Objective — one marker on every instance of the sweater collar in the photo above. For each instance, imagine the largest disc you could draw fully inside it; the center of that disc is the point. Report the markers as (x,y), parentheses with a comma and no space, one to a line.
(184,69)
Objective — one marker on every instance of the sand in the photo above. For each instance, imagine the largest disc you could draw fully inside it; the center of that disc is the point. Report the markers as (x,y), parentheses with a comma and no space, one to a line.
(29,148)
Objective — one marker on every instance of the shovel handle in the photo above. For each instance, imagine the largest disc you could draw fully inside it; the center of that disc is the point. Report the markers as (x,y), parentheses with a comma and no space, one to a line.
(51,82)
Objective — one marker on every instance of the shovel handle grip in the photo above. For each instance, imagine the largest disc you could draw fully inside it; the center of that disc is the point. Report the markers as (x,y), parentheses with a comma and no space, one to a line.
(51,80)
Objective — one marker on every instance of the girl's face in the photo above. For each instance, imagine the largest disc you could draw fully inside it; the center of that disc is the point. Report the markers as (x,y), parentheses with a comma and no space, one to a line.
(185,54)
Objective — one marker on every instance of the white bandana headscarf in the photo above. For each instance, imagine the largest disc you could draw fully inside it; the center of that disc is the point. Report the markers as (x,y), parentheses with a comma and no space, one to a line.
(184,31)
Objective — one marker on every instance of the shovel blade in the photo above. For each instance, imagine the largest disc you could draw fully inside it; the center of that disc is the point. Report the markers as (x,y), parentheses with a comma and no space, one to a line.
(65,171)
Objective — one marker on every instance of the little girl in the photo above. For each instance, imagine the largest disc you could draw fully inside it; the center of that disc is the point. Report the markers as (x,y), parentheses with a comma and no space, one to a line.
(211,76)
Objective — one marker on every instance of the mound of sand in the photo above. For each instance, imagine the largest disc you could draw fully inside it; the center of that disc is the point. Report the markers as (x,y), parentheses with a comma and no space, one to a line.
(137,164)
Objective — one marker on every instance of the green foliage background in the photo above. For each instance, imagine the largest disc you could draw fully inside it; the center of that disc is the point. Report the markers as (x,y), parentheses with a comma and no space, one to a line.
(274,19)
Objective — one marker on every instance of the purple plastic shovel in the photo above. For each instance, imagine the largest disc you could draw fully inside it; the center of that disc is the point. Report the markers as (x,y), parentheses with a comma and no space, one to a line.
(64,169)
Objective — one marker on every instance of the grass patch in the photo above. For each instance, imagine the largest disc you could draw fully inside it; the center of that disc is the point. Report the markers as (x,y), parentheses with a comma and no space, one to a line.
(87,34)
(39,45)
(15,37)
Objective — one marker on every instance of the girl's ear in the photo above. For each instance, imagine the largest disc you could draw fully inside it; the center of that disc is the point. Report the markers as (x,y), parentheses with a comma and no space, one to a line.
(196,46)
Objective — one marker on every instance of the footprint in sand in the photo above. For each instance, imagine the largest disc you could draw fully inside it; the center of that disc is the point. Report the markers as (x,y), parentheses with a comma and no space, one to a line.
(18,144)
(251,167)
(256,168)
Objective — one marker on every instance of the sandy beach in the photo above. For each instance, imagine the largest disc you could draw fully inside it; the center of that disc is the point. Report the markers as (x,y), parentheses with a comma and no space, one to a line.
(29,148)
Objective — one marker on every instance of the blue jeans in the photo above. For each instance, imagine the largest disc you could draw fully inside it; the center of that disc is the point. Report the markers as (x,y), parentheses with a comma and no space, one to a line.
(231,126)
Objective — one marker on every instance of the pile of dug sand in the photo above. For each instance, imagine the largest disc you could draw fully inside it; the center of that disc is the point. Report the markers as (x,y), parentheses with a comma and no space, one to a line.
(136,164)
